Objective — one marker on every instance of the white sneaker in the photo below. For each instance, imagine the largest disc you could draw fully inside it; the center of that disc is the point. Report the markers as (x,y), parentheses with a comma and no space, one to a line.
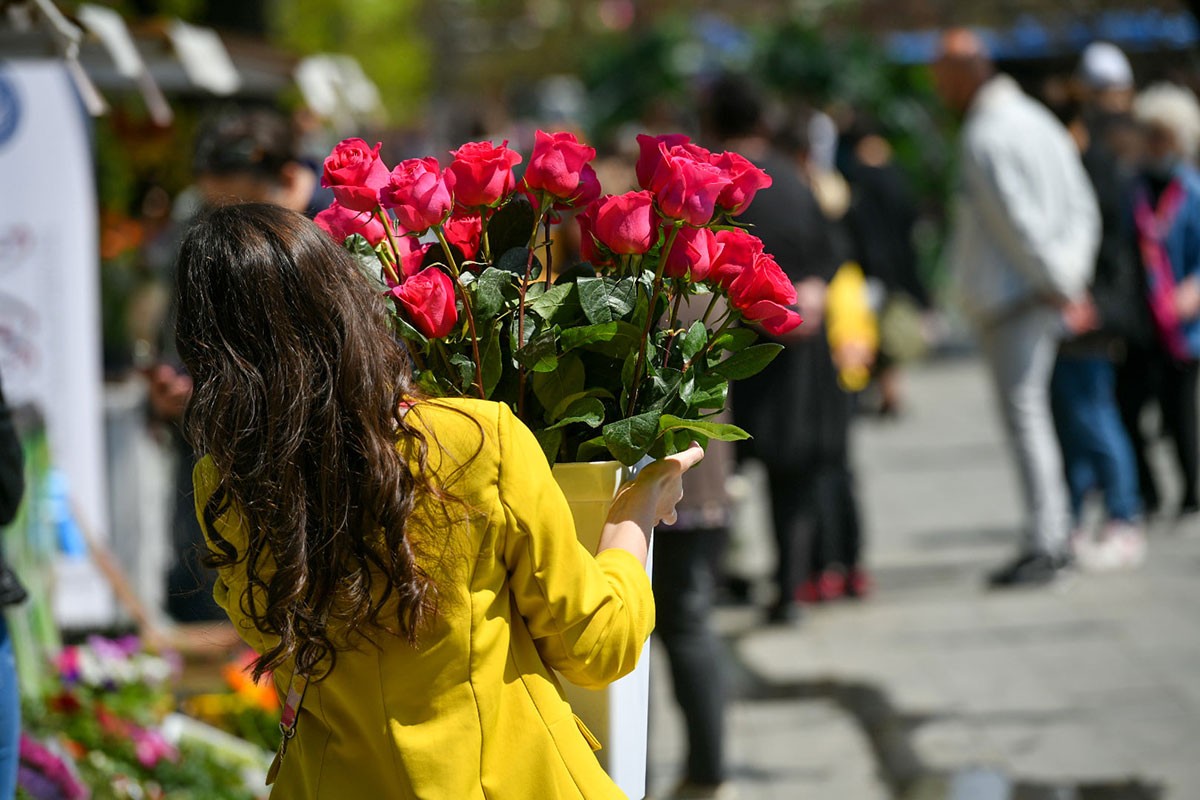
(1121,545)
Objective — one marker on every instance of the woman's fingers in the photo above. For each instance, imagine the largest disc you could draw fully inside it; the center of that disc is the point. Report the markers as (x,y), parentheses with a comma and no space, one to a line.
(688,458)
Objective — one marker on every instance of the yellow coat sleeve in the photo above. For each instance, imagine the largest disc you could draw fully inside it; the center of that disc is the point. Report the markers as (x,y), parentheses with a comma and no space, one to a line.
(589,615)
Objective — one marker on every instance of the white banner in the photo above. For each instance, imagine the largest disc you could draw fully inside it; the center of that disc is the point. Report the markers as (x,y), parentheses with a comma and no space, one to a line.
(50,349)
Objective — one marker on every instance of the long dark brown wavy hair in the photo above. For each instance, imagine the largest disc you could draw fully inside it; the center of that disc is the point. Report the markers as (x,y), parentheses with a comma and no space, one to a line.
(299,386)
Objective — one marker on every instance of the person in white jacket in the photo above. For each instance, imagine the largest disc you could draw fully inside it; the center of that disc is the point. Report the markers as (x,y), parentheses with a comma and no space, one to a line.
(1026,231)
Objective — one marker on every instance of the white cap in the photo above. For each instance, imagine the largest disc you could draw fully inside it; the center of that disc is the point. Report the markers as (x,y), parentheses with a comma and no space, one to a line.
(1104,66)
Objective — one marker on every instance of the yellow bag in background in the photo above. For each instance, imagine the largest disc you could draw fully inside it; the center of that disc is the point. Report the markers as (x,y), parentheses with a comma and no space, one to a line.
(852,327)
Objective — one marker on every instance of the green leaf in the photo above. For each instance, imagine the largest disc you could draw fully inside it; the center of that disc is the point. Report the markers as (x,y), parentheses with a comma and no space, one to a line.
(511,226)
(551,441)
(540,355)
(407,331)
(750,361)
(704,392)
(369,261)
(551,388)
(586,410)
(712,430)
(491,289)
(560,408)
(588,334)
(735,339)
(492,363)
(465,368)
(629,439)
(693,341)
(516,259)
(593,449)
(606,299)
(559,305)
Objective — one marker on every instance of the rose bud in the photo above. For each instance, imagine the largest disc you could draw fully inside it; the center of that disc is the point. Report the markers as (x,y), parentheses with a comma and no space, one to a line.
(341,223)
(626,224)
(481,173)
(685,187)
(416,191)
(556,164)
(745,182)
(650,154)
(739,251)
(692,254)
(587,191)
(427,300)
(355,174)
(464,231)
(764,294)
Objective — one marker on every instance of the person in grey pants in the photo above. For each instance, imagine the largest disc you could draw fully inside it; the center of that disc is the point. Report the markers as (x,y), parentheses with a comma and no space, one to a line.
(1023,247)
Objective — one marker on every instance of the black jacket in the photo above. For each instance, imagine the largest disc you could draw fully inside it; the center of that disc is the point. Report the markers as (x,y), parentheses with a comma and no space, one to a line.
(12,465)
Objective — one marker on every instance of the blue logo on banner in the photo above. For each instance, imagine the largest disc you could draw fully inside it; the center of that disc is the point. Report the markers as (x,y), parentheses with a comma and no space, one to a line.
(10,109)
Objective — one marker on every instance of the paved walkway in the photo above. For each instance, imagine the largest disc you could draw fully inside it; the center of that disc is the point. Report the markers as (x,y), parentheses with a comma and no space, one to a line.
(935,689)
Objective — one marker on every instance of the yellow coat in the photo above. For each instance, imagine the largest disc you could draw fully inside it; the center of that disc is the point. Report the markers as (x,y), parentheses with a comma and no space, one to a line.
(474,712)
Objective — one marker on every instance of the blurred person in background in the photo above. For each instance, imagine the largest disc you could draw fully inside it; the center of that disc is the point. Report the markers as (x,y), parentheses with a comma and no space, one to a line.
(1023,248)
(12,488)
(880,221)
(686,562)
(794,409)
(1166,222)
(1097,453)
(241,155)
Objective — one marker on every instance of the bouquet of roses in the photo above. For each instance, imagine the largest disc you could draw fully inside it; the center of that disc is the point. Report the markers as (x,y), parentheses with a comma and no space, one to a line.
(592,357)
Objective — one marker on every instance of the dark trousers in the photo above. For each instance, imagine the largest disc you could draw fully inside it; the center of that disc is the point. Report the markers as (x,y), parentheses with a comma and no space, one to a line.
(684,584)
(1097,453)
(1149,374)
(816,520)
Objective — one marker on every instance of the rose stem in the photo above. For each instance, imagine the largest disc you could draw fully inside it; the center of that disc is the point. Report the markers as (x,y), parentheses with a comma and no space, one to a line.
(711,305)
(466,310)
(549,253)
(655,292)
(671,327)
(387,226)
(708,347)
(521,373)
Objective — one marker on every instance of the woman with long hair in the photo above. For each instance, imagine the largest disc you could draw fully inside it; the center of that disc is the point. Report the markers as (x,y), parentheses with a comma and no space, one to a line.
(406,568)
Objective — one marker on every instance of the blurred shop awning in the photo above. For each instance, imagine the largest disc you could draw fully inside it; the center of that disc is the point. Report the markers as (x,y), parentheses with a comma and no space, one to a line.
(1030,37)
(175,59)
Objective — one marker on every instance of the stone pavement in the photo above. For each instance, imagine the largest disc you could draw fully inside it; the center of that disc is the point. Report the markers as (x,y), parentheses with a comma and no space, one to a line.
(935,689)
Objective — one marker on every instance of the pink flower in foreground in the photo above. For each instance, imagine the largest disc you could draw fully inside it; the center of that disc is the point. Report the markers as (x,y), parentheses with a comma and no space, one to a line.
(355,174)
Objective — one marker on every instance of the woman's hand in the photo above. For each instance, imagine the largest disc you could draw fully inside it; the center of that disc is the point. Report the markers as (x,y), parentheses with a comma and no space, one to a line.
(647,500)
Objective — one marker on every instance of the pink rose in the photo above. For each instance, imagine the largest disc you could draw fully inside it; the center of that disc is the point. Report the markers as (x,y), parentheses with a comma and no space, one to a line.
(464,231)
(589,249)
(556,164)
(481,173)
(355,174)
(739,251)
(412,255)
(686,186)
(693,254)
(416,189)
(745,181)
(427,300)
(626,224)
(764,294)
(341,223)
(650,155)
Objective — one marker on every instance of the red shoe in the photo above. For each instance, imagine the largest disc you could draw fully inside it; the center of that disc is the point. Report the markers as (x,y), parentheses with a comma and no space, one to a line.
(831,585)
(809,593)
(859,583)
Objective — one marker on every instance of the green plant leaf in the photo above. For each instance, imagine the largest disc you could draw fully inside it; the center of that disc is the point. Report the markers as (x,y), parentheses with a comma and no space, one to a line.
(489,353)
(406,330)
(735,339)
(511,226)
(492,288)
(586,410)
(705,392)
(541,354)
(465,368)
(606,299)
(369,261)
(558,306)
(551,388)
(712,430)
(750,361)
(693,341)
(588,334)
(515,260)
(593,449)
(551,440)
(629,439)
